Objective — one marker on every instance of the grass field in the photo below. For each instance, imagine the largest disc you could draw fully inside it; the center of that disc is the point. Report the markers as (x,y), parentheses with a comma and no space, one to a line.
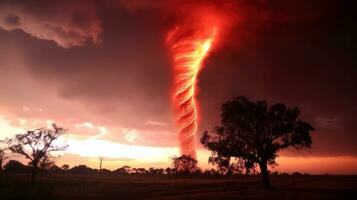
(14,186)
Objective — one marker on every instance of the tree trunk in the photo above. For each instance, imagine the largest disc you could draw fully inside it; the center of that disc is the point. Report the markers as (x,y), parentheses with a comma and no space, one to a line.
(265,174)
(34,174)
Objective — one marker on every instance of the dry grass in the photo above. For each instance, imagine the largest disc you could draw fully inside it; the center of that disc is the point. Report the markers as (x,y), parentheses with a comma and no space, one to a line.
(162,187)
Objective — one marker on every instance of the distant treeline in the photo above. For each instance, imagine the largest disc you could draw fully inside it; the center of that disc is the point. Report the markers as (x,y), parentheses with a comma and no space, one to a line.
(14,166)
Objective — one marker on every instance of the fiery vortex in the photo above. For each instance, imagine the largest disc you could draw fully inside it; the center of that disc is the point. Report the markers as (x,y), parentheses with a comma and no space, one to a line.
(189,45)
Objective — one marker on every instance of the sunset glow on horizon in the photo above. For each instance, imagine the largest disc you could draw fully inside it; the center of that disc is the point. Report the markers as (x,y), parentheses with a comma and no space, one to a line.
(88,150)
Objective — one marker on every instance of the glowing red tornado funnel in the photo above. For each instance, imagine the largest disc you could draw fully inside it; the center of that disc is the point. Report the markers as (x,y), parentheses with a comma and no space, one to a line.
(189,45)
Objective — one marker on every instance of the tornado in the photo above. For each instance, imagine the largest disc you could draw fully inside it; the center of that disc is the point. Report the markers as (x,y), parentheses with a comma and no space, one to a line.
(189,43)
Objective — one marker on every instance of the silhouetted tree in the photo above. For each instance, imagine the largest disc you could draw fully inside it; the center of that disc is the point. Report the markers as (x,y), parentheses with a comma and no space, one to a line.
(230,165)
(105,171)
(46,163)
(184,164)
(158,171)
(275,173)
(255,132)
(82,169)
(169,171)
(127,169)
(15,166)
(152,170)
(39,142)
(207,172)
(65,167)
(210,172)
(197,171)
(141,171)
(297,174)
(3,156)
(221,162)
(54,169)
(123,170)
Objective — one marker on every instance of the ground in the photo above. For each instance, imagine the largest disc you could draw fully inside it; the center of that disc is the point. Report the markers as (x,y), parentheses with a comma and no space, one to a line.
(14,186)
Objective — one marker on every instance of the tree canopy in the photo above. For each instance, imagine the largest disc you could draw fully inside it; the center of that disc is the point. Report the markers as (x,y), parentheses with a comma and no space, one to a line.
(256,132)
(2,155)
(36,145)
(184,164)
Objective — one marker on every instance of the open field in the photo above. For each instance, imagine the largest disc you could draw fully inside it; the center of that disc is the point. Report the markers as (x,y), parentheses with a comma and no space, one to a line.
(164,187)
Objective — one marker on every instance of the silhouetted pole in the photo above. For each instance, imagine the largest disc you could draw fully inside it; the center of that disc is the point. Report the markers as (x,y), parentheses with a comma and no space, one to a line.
(100,164)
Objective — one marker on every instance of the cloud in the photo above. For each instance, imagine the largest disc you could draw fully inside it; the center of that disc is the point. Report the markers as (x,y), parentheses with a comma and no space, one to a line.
(6,129)
(25,108)
(68,23)
(155,123)
(130,135)
(90,129)
(87,125)
(22,121)
(328,122)
(102,130)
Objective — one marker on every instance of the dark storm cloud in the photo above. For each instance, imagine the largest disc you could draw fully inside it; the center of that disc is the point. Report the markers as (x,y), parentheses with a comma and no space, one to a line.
(12,20)
(125,79)
(307,60)
(297,52)
(68,23)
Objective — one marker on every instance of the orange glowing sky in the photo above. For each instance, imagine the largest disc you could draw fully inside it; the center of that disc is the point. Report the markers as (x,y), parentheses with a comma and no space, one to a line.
(104,71)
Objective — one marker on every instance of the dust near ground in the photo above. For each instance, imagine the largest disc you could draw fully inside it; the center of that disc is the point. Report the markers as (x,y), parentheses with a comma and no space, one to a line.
(86,187)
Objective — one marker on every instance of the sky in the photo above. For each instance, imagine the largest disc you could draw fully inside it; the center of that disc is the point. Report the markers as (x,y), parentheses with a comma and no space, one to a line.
(102,70)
